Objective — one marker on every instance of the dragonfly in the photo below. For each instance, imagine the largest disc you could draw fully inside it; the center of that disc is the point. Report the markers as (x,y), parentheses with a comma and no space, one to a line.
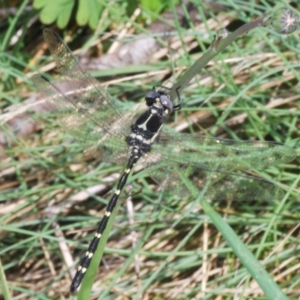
(178,161)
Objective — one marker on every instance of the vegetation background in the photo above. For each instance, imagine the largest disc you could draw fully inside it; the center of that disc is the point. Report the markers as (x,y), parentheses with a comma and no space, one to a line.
(53,194)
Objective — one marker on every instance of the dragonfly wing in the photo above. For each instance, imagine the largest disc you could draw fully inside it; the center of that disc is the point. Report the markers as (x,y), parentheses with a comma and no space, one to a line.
(189,162)
(221,154)
(78,82)
(82,106)
(188,179)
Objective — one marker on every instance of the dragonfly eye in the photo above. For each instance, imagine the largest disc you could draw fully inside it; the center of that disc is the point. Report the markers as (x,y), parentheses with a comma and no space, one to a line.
(167,103)
(151,96)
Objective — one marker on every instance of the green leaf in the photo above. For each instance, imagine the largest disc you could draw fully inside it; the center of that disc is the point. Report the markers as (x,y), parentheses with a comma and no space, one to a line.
(152,5)
(156,7)
(89,12)
(38,4)
(58,11)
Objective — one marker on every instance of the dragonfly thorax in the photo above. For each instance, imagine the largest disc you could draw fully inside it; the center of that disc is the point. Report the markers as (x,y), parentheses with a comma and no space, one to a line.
(148,125)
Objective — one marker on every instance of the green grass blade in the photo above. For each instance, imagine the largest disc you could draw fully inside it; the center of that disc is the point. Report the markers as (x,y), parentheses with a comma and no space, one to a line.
(253,266)
(4,284)
(89,278)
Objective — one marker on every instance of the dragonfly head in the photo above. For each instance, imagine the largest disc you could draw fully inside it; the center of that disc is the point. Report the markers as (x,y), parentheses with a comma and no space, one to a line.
(161,99)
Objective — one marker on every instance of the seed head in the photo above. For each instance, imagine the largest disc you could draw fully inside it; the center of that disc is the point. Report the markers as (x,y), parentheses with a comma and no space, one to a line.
(283,21)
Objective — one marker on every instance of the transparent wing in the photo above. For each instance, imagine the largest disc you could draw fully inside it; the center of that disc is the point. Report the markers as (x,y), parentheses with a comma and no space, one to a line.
(220,154)
(187,163)
(187,179)
(83,107)
(85,89)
